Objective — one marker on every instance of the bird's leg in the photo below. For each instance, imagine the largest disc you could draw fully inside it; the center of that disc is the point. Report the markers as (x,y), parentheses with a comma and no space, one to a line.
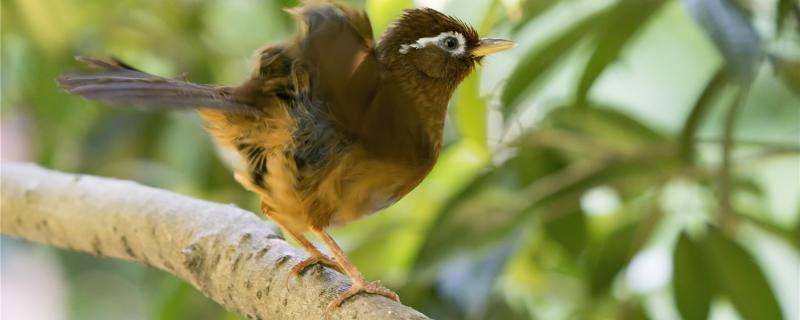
(359,283)
(314,255)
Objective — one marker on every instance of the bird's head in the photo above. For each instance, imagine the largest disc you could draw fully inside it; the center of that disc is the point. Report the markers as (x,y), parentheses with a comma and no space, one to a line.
(436,45)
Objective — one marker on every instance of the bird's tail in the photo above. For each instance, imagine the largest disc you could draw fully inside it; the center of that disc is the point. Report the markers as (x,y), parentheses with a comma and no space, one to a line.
(120,84)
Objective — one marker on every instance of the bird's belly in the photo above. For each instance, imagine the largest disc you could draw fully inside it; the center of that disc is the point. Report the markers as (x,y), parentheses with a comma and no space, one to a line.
(367,186)
(348,183)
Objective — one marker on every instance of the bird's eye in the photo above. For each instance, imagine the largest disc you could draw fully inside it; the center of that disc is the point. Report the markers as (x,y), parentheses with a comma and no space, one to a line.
(450,43)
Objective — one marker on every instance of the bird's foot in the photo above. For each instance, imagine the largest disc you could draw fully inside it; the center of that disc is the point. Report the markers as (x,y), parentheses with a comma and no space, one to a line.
(320,259)
(374,287)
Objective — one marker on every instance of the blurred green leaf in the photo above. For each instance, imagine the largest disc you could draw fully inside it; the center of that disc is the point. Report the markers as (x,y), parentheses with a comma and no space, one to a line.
(788,71)
(511,191)
(692,284)
(180,145)
(500,309)
(467,214)
(739,277)
(633,311)
(536,64)
(729,28)
(172,299)
(531,9)
(789,236)
(782,8)
(471,112)
(610,254)
(383,12)
(496,204)
(568,226)
(604,127)
(619,25)
(699,111)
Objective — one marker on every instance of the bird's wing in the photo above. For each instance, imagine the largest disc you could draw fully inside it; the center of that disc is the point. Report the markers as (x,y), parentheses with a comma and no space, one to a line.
(337,44)
(118,83)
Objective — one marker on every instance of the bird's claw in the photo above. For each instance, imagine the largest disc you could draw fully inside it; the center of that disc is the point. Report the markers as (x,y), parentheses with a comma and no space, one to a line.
(321,259)
(374,287)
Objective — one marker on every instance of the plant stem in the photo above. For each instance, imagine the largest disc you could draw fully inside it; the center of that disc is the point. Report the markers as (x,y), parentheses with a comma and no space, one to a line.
(726,175)
(698,114)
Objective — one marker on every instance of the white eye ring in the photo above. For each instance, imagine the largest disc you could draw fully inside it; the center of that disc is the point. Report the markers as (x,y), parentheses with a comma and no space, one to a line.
(444,40)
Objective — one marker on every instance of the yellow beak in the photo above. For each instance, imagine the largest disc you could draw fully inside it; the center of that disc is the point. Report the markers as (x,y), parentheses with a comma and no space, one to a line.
(488,46)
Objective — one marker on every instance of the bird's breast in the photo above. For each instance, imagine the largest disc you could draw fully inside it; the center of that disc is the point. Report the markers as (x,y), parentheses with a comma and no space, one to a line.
(366,184)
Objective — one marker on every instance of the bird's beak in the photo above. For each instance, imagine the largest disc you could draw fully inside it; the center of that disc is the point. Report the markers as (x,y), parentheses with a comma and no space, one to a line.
(488,46)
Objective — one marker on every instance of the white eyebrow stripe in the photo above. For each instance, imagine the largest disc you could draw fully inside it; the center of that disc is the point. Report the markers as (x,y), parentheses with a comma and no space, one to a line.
(424,42)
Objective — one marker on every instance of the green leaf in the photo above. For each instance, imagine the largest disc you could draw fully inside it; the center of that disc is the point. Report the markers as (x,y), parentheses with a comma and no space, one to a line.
(531,9)
(729,28)
(692,285)
(471,112)
(619,26)
(383,12)
(698,114)
(567,226)
(788,71)
(536,64)
(783,8)
(606,135)
(605,126)
(503,200)
(739,278)
(481,212)
(609,255)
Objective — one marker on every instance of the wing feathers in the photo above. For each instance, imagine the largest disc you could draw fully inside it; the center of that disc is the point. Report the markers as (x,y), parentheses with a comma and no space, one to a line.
(337,44)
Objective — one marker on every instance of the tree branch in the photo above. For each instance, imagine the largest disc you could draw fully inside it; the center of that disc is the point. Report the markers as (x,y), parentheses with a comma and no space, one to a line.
(231,255)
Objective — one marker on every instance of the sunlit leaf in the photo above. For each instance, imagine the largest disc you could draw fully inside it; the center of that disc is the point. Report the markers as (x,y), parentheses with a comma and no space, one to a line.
(50,22)
(383,12)
(536,64)
(471,111)
(692,284)
(729,28)
(739,278)
(619,25)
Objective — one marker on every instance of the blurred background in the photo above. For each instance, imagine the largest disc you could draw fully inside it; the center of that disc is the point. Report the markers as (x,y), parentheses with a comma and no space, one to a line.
(631,159)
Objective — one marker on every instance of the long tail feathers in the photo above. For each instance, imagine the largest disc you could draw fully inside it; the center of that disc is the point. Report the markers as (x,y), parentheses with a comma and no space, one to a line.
(119,84)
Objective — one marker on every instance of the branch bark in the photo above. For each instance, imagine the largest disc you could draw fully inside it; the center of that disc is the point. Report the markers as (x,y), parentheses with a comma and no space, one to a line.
(231,255)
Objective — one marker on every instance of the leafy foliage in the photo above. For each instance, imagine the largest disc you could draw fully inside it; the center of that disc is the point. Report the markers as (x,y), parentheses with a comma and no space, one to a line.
(561,170)
(693,284)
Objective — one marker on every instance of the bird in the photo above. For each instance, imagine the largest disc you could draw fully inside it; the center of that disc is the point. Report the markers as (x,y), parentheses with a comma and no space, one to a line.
(331,125)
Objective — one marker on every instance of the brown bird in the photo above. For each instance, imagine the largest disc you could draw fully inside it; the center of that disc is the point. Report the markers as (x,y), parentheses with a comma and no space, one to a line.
(330,126)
